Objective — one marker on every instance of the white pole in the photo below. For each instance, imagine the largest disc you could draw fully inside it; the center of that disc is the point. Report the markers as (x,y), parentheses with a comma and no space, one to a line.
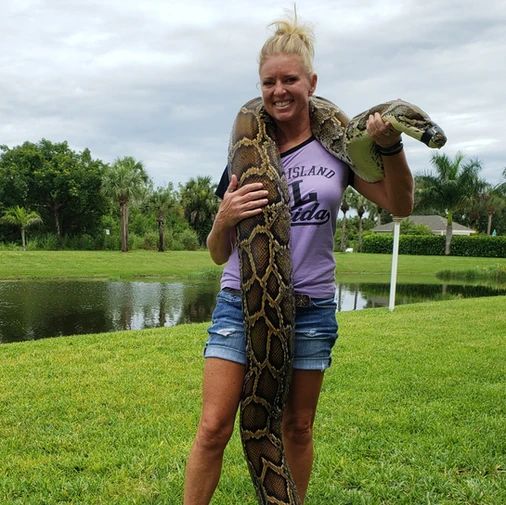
(395,257)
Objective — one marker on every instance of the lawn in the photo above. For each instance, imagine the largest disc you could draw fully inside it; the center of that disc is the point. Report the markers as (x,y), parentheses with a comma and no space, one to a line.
(413,411)
(181,264)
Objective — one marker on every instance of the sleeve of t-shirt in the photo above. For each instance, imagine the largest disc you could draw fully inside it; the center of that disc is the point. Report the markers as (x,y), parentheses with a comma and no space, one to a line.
(223,184)
(351,178)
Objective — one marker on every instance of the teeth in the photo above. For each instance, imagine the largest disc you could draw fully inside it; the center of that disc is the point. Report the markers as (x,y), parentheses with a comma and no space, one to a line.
(282,104)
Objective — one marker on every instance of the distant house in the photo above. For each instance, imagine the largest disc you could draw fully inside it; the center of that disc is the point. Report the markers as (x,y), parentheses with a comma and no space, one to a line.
(436,224)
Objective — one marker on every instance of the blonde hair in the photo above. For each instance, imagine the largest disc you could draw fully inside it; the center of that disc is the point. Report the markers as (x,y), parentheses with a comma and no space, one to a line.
(290,37)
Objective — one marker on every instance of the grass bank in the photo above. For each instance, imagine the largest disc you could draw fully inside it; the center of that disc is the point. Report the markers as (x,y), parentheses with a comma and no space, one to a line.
(105,264)
(412,412)
(180,264)
(496,273)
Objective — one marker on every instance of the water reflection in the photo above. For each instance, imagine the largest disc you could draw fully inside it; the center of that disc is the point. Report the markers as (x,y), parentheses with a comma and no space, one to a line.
(370,295)
(33,310)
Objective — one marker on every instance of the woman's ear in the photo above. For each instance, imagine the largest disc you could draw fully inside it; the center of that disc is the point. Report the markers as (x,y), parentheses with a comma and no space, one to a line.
(312,83)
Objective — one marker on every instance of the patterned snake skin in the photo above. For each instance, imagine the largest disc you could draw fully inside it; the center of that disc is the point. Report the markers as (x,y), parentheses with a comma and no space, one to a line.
(266,272)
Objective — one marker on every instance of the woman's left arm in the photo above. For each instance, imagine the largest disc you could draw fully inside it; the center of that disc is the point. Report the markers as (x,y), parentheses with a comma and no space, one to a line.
(395,191)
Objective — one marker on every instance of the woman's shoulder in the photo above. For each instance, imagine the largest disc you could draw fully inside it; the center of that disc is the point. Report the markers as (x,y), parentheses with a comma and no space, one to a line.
(223,184)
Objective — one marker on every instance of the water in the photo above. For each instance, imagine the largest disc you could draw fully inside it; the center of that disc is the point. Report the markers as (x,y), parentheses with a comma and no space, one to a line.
(38,309)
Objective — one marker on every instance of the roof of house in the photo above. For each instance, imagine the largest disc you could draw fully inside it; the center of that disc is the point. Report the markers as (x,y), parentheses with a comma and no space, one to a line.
(435,223)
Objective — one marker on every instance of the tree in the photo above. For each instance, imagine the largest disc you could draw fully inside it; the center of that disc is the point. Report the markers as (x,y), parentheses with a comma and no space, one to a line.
(200,205)
(61,184)
(455,181)
(16,168)
(22,218)
(359,203)
(125,182)
(161,202)
(502,185)
(408,227)
(344,209)
(494,201)
(374,212)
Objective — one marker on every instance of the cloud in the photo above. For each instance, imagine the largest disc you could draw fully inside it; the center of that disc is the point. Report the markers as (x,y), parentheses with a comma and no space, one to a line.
(162,81)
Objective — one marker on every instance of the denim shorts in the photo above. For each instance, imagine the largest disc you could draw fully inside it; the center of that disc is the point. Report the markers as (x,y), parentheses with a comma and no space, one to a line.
(315,332)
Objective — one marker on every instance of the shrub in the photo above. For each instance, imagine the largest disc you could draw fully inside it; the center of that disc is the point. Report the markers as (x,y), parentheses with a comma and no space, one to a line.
(434,245)
(9,246)
(135,241)
(83,242)
(479,245)
(111,242)
(189,240)
(150,241)
(44,242)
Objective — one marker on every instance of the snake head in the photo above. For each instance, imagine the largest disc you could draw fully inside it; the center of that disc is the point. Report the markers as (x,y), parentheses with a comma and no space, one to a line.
(434,136)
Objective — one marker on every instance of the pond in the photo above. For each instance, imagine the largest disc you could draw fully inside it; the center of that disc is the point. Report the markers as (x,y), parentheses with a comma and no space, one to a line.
(38,309)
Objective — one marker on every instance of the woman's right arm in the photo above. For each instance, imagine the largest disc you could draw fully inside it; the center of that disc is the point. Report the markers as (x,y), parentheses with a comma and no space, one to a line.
(237,204)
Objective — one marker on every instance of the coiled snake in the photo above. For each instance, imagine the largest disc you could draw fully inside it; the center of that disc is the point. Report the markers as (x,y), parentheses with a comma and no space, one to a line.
(265,264)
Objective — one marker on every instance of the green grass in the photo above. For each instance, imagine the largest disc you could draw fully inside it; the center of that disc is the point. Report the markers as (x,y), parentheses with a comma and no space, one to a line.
(177,264)
(423,269)
(105,265)
(412,411)
(492,273)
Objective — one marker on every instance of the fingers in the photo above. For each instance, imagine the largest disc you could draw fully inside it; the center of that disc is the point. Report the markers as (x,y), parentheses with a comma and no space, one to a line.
(232,186)
(381,131)
(244,202)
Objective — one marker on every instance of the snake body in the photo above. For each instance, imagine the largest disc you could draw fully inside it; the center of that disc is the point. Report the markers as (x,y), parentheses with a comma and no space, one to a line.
(266,271)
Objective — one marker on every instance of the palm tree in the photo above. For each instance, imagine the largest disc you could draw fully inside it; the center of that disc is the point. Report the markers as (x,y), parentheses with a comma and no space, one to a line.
(373,212)
(161,202)
(200,205)
(502,185)
(125,182)
(344,209)
(494,201)
(23,218)
(455,181)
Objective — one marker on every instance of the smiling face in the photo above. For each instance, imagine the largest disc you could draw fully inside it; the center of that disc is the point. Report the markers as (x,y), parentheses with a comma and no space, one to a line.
(286,87)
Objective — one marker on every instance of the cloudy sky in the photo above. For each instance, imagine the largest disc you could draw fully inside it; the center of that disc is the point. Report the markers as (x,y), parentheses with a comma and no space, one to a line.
(162,80)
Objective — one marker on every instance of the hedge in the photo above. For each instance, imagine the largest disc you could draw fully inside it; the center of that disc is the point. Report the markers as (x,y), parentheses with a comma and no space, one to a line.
(434,245)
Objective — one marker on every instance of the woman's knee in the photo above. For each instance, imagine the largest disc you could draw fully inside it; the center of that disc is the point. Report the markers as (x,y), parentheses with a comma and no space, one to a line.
(298,430)
(214,432)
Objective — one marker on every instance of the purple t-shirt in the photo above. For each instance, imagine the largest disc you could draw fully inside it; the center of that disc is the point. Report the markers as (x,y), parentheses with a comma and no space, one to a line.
(316,182)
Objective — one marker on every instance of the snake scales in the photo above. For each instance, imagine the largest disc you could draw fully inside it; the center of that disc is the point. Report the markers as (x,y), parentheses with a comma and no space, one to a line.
(265,264)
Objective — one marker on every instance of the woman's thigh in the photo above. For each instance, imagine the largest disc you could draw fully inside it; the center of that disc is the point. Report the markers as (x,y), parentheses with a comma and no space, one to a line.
(302,401)
(222,386)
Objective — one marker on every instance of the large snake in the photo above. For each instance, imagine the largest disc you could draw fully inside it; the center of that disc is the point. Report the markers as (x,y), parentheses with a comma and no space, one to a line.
(266,273)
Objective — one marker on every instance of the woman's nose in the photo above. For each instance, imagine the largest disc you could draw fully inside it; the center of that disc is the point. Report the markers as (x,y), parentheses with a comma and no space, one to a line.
(279,88)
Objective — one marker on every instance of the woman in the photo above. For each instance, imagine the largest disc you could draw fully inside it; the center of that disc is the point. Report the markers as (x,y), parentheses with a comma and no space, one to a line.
(316,181)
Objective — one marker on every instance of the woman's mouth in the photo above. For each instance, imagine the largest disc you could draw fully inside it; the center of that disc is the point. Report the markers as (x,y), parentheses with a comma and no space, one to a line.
(282,104)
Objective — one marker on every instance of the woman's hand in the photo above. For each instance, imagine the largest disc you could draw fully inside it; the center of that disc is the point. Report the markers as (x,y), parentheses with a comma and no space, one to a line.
(237,204)
(241,203)
(382,132)
(395,191)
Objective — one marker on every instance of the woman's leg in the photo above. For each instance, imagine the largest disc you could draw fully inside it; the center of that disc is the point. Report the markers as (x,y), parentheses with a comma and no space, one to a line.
(221,394)
(298,419)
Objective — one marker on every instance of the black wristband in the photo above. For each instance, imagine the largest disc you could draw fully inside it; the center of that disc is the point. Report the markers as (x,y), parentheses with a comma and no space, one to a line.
(391,150)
